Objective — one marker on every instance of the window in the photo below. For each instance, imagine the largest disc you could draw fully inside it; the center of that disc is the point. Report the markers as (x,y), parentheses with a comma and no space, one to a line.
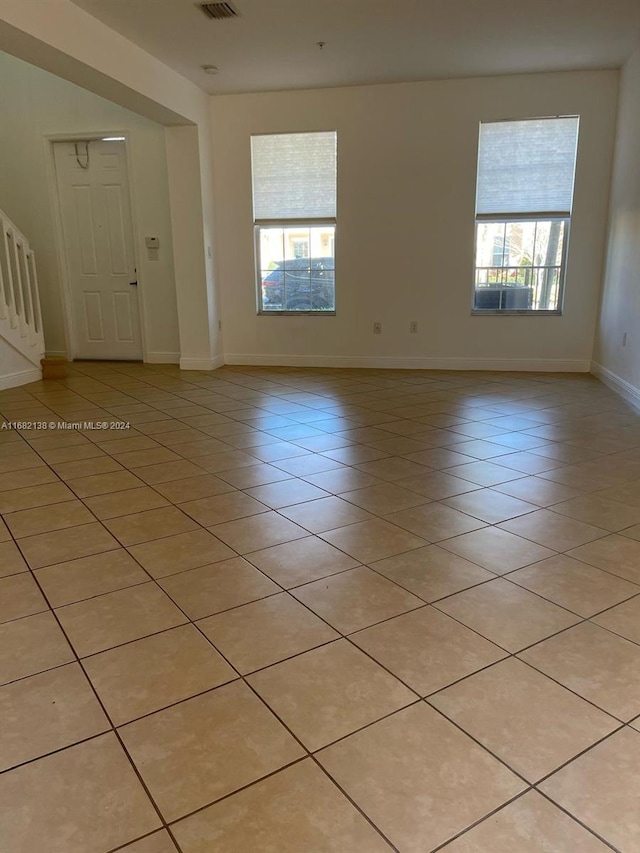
(294,211)
(523,211)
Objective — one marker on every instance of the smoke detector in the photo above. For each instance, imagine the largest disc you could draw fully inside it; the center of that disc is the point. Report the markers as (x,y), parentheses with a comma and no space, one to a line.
(219,11)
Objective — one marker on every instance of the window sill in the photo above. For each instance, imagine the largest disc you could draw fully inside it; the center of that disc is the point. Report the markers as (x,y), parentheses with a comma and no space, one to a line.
(496,312)
(296,313)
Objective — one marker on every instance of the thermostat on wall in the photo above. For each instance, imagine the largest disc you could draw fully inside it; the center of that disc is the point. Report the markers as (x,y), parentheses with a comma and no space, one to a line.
(153,247)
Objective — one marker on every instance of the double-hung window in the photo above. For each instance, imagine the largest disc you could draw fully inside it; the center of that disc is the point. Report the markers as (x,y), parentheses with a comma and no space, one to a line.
(523,211)
(294,214)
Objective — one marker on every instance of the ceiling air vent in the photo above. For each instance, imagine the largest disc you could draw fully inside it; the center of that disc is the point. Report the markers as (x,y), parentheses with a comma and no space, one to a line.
(219,11)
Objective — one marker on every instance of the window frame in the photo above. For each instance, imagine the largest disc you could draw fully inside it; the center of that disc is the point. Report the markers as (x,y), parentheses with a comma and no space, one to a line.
(555,216)
(303,222)
(311,222)
(564,216)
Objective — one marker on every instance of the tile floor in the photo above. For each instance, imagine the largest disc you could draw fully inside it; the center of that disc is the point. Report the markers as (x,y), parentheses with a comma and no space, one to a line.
(307,610)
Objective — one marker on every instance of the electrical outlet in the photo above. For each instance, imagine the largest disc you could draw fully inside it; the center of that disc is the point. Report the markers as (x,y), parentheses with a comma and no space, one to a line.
(624,339)
(377,328)
(413,327)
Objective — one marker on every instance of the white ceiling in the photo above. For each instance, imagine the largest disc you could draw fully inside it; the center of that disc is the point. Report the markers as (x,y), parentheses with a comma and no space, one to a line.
(272,45)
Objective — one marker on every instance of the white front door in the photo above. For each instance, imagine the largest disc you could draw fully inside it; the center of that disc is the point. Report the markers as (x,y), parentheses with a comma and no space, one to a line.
(98,244)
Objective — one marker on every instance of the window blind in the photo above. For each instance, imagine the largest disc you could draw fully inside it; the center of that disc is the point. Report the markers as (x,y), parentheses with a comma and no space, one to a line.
(527,166)
(294,176)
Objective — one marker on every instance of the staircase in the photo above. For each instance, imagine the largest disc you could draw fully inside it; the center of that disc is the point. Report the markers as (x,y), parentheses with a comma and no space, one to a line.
(21,337)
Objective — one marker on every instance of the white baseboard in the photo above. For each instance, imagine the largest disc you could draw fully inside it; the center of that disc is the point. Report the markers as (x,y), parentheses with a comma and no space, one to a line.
(537,365)
(163,358)
(54,353)
(201,363)
(617,384)
(21,377)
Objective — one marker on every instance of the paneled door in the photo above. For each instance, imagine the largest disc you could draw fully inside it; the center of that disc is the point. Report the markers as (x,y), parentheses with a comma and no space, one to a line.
(98,244)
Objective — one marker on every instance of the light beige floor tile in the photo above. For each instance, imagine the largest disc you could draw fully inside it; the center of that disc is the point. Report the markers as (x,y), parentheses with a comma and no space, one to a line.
(343,480)
(484,473)
(490,505)
(384,498)
(325,514)
(193,488)
(45,549)
(627,493)
(431,572)
(228,460)
(506,614)
(367,541)
(47,712)
(301,561)
(159,842)
(551,530)
(601,789)
(427,649)
(254,475)
(296,809)
(75,580)
(529,825)
(87,450)
(220,508)
(11,560)
(356,599)
(418,778)
(595,664)
(116,504)
(29,522)
(300,466)
(103,484)
(62,805)
(211,589)
(615,554)
(286,493)
(392,468)
(262,531)
(17,499)
(228,728)
(529,462)
(496,550)
(437,485)
(173,554)
(20,596)
(152,524)
(623,619)
(354,454)
(577,586)
(118,617)
(86,468)
(599,511)
(538,491)
(19,462)
(533,724)
(31,645)
(265,632)
(329,692)
(149,674)
(165,472)
(435,521)
(139,458)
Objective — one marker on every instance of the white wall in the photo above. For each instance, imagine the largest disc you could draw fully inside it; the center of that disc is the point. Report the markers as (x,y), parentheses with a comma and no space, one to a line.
(406,191)
(41,104)
(15,369)
(620,310)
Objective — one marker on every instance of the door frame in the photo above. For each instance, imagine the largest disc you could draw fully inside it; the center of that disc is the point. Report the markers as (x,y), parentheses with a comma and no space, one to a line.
(65,285)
